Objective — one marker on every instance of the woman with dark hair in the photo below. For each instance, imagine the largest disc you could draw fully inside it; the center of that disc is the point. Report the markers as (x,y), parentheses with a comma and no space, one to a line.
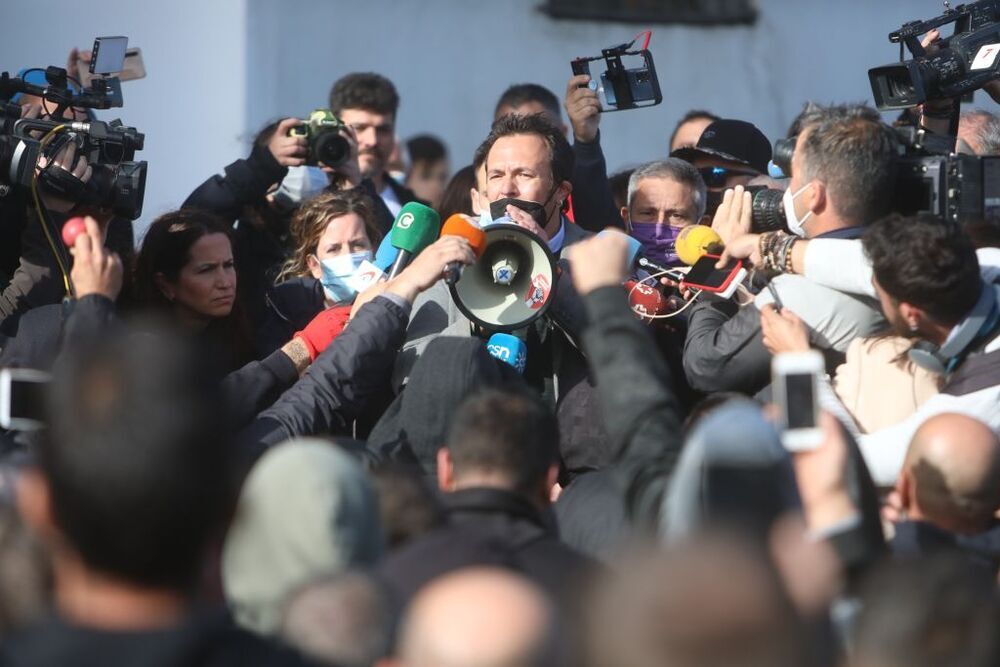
(185,271)
(333,234)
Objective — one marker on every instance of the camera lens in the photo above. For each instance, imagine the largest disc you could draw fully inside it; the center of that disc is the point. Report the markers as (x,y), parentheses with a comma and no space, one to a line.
(768,211)
(332,149)
(782,155)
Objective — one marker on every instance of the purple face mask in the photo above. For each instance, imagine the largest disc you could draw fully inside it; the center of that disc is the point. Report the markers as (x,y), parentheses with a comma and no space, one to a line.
(657,241)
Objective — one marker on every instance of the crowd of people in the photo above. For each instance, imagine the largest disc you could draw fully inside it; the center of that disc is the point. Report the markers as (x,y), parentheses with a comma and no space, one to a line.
(248,458)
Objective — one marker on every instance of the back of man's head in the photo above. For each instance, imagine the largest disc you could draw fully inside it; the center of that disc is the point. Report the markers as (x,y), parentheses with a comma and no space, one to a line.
(953,471)
(927,262)
(528,98)
(506,435)
(853,152)
(364,90)
(480,617)
(135,459)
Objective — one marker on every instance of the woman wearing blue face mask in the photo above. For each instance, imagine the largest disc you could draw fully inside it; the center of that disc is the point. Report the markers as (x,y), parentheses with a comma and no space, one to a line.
(334,234)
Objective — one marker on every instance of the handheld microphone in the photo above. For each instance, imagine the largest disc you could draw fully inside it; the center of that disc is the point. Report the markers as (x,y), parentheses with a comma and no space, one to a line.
(415,228)
(508,349)
(386,254)
(695,241)
(461,225)
(645,300)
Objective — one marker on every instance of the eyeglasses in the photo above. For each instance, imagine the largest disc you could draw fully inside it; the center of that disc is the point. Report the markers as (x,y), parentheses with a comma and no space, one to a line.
(715,177)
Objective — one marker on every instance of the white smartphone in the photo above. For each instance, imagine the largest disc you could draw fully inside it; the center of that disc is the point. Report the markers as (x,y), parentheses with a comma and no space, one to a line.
(22,398)
(795,380)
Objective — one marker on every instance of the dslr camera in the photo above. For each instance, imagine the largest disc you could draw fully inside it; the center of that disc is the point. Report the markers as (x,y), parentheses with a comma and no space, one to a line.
(325,142)
(963,62)
(118,182)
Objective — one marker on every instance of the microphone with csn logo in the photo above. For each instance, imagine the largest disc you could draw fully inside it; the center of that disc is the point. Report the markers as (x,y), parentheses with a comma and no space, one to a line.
(415,228)
(509,349)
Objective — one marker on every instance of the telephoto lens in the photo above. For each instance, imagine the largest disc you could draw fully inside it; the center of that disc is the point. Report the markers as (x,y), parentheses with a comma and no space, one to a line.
(782,155)
(768,210)
(331,148)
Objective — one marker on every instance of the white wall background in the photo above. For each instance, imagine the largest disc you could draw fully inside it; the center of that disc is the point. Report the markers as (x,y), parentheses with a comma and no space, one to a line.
(219,69)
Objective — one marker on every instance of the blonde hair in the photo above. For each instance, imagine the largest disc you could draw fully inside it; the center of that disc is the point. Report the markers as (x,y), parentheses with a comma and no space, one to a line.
(313,217)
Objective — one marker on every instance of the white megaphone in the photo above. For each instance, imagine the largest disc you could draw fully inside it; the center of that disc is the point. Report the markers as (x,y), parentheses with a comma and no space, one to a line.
(512,282)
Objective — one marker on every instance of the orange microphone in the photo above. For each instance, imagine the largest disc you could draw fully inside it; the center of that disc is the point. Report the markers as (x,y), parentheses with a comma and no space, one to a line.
(464,226)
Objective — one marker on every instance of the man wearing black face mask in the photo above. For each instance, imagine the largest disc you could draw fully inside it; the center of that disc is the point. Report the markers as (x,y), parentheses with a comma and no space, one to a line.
(528,166)
(728,153)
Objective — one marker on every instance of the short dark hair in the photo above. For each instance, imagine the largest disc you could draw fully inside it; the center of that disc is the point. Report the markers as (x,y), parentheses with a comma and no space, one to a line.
(853,152)
(561,157)
(136,458)
(426,149)
(926,261)
(693,114)
(364,90)
(456,197)
(505,430)
(523,93)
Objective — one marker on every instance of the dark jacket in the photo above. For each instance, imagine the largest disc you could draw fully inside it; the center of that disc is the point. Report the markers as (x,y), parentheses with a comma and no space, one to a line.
(290,306)
(338,385)
(200,641)
(914,539)
(593,204)
(643,422)
(489,527)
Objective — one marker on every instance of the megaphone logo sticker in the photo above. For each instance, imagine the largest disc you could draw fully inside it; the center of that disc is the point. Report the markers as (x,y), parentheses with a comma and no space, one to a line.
(405,220)
(538,292)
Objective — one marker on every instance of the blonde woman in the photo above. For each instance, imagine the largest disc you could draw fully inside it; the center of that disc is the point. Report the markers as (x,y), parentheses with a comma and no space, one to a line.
(333,233)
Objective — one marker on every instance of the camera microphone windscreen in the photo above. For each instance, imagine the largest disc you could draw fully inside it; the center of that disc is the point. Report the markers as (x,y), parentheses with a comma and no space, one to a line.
(461,225)
(646,300)
(508,349)
(695,241)
(415,228)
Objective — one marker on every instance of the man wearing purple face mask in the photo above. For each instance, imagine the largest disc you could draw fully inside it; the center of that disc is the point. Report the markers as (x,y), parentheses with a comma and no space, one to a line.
(664,197)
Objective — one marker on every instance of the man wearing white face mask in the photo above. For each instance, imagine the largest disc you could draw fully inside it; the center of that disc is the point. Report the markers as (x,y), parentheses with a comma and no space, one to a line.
(843,172)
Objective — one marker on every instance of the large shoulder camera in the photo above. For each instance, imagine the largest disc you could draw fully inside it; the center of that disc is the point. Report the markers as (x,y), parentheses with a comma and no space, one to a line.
(963,63)
(620,87)
(324,140)
(118,182)
(960,188)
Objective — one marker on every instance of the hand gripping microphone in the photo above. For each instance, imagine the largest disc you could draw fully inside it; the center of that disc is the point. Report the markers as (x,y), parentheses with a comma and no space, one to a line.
(508,349)
(415,228)
(461,225)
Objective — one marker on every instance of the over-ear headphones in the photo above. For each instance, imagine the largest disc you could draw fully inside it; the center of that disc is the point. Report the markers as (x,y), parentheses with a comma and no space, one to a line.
(936,359)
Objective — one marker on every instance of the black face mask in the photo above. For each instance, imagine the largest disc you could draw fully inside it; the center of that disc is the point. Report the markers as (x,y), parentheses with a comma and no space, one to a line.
(498,209)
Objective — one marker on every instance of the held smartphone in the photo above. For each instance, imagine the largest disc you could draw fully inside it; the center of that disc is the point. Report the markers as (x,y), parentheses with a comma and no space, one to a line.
(132,68)
(795,383)
(620,87)
(22,398)
(704,276)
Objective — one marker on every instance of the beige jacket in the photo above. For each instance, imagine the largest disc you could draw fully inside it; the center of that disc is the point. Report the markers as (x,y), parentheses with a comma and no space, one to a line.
(876,389)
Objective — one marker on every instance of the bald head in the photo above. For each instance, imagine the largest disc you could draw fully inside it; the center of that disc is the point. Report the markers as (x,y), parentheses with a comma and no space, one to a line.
(479,617)
(952,473)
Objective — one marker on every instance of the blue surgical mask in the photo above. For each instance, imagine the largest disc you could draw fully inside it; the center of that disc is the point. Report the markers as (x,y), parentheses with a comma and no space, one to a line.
(336,272)
(300,184)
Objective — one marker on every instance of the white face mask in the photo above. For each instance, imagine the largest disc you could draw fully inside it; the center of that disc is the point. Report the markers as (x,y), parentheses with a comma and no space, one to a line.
(336,273)
(793,222)
(300,184)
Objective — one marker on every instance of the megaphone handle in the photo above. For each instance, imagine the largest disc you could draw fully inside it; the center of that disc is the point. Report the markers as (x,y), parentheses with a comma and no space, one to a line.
(452,272)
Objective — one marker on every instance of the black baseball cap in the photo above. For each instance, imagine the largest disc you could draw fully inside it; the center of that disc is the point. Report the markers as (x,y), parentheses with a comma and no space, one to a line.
(733,140)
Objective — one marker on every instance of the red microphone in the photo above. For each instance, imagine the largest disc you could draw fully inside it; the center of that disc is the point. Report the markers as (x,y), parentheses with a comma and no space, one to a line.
(462,225)
(72,229)
(646,301)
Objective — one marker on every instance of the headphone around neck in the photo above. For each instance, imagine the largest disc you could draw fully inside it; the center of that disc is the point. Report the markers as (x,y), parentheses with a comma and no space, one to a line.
(936,359)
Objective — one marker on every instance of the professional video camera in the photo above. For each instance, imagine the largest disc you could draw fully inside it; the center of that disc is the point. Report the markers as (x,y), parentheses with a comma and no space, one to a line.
(325,142)
(961,188)
(963,62)
(118,182)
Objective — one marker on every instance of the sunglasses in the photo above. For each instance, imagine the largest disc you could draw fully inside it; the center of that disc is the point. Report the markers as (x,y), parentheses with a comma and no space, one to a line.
(715,177)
